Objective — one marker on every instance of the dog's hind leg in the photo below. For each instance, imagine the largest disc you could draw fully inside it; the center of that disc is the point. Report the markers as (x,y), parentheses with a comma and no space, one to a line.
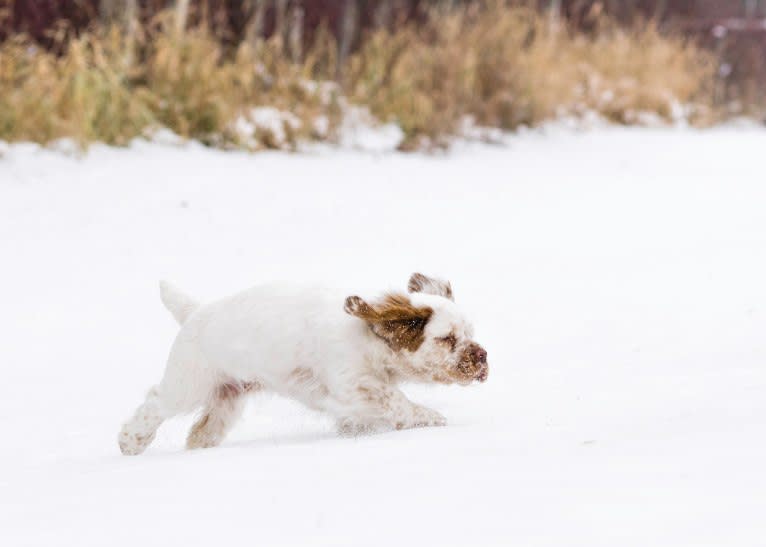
(221,412)
(139,431)
(161,403)
(185,387)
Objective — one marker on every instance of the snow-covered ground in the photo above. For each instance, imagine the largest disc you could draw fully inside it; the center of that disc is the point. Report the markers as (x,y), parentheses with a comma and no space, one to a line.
(617,278)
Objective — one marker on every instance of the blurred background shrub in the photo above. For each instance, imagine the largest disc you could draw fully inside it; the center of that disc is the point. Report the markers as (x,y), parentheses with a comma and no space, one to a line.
(269,73)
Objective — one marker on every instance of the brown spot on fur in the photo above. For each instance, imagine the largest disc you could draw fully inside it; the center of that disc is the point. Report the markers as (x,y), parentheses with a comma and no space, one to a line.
(429,285)
(376,397)
(199,425)
(394,319)
(301,376)
(305,377)
(230,390)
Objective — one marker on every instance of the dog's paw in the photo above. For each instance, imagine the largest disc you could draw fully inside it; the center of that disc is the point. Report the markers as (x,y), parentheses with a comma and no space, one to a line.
(426,417)
(133,444)
(350,427)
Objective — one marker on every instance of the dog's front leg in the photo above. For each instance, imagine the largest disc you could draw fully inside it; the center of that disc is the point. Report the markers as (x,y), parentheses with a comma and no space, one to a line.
(414,415)
(383,407)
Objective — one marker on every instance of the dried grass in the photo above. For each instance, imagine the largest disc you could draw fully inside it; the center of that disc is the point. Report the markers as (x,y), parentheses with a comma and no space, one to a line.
(507,67)
(501,66)
(98,91)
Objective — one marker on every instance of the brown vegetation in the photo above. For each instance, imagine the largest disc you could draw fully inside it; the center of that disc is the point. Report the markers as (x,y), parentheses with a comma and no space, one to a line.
(498,65)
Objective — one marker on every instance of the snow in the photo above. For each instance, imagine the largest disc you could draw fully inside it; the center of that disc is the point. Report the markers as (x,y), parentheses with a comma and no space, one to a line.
(266,119)
(617,278)
(360,131)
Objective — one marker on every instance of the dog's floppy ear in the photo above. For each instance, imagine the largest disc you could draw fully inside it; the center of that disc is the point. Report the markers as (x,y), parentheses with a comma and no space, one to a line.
(357,307)
(394,319)
(429,285)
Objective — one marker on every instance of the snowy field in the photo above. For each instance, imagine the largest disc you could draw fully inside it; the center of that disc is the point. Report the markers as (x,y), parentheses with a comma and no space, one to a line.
(616,277)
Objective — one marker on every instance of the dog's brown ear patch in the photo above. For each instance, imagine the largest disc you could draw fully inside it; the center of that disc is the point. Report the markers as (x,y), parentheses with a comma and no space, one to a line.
(394,319)
(429,285)
(357,307)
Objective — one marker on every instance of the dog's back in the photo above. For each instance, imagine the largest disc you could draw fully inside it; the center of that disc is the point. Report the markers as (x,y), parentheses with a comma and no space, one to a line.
(267,331)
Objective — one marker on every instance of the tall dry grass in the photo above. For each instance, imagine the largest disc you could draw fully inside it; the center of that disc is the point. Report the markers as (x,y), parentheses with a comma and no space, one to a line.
(501,66)
(508,67)
(107,87)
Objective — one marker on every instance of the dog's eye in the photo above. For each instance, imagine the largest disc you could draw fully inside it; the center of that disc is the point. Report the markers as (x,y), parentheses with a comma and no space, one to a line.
(450,340)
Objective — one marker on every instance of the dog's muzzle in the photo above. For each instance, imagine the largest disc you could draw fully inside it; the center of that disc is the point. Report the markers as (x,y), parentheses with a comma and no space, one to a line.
(474,363)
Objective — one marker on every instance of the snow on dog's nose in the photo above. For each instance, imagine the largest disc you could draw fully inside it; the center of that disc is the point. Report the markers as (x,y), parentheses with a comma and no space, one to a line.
(479,359)
(479,354)
(473,363)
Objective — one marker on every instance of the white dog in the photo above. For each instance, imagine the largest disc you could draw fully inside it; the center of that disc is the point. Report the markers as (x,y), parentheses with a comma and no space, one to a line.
(300,343)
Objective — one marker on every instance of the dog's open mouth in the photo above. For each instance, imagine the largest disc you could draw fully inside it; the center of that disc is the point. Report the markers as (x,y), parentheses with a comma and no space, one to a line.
(483,373)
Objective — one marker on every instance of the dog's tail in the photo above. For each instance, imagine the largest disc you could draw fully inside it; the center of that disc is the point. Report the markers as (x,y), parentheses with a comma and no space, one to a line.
(179,304)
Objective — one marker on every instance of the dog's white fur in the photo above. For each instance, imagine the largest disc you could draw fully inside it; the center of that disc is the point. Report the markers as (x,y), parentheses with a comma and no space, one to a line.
(302,344)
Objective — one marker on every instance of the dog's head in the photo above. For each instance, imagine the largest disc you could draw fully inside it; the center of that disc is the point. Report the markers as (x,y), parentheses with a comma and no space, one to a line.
(428,330)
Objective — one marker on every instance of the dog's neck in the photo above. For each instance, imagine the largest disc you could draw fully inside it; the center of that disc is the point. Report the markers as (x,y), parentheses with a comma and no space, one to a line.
(395,366)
